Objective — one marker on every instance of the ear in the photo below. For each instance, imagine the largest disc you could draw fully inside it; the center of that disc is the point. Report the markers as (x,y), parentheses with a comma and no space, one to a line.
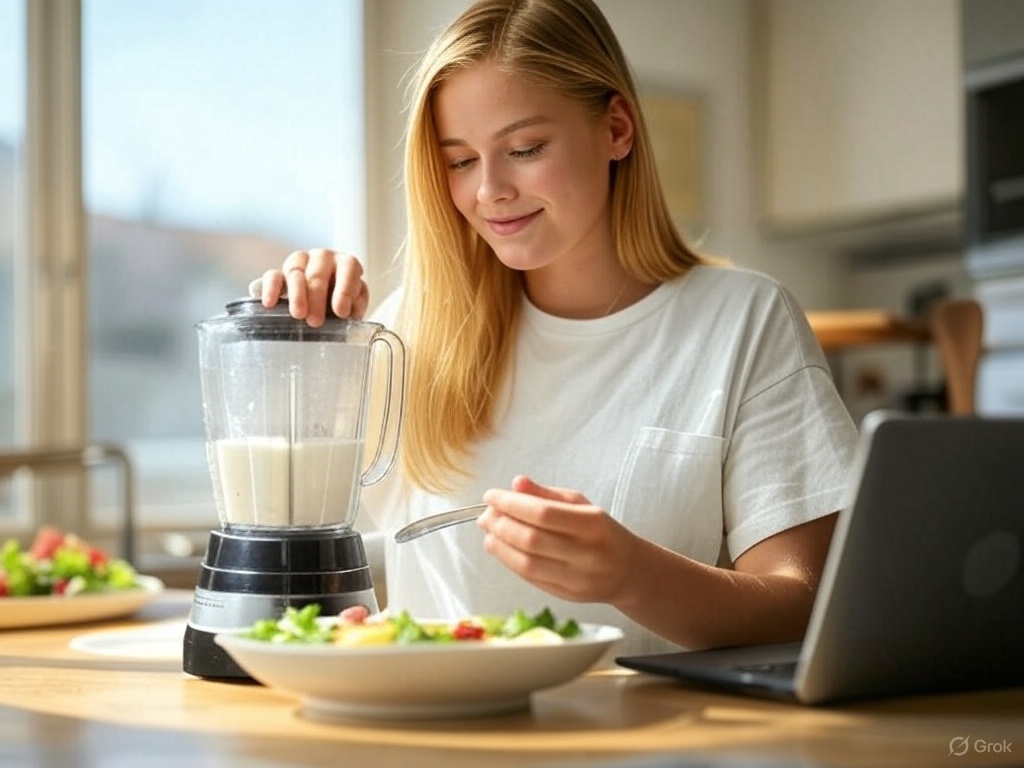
(621,127)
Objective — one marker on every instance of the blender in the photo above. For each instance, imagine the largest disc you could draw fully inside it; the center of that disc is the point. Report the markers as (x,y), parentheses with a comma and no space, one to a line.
(286,408)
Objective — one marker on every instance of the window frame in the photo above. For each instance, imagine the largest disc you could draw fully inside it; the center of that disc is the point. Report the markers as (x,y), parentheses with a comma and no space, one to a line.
(48,269)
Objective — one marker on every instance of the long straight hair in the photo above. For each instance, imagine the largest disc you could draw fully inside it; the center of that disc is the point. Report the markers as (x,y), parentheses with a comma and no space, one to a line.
(461,305)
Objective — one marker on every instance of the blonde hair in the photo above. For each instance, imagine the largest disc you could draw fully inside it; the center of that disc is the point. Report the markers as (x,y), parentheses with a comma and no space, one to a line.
(460,305)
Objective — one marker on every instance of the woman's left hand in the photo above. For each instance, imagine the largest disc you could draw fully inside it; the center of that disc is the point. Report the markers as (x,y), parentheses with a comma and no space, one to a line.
(557,540)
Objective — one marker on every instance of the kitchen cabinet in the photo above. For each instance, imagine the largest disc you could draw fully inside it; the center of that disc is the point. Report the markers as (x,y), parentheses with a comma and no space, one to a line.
(992,30)
(858,111)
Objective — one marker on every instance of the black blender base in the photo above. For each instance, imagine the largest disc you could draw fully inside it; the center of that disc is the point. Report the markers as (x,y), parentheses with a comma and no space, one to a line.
(202,657)
(250,575)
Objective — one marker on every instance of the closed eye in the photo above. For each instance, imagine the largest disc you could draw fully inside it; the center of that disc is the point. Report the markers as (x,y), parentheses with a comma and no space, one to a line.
(528,152)
(460,163)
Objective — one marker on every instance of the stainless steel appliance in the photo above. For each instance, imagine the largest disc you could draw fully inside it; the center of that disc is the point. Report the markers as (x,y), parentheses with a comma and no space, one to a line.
(995,168)
(994,195)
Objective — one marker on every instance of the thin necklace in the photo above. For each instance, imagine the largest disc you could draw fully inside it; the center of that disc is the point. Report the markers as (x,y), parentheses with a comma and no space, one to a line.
(615,300)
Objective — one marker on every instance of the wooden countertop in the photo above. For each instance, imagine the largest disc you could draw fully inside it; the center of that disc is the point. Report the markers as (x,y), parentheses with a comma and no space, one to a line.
(63,707)
(851,328)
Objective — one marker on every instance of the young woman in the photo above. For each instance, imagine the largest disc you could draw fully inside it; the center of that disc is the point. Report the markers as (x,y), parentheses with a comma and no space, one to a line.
(657,435)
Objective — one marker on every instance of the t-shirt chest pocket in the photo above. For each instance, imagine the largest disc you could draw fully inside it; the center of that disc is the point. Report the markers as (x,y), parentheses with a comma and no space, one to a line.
(669,491)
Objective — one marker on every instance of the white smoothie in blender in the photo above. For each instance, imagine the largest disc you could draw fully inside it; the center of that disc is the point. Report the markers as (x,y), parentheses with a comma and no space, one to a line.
(269,482)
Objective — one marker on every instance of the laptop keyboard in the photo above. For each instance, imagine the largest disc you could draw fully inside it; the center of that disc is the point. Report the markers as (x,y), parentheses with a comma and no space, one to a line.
(776,669)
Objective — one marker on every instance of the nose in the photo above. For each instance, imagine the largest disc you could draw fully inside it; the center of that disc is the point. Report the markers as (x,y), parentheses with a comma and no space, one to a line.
(495,184)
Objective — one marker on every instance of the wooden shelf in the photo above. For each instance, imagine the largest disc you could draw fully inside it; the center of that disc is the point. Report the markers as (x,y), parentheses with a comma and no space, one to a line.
(857,328)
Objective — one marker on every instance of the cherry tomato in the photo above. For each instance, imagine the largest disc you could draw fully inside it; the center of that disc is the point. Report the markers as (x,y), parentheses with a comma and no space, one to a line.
(466,630)
(354,614)
(47,540)
(97,557)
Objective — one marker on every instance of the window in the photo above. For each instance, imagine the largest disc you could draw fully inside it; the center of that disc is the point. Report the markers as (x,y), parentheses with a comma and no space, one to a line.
(216,138)
(12,128)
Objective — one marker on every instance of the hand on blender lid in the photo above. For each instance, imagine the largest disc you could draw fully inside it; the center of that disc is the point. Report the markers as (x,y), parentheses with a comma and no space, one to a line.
(256,289)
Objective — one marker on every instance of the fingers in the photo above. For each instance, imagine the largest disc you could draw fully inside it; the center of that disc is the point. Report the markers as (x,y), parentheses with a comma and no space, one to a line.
(553,509)
(351,295)
(550,574)
(295,277)
(316,275)
(555,539)
(524,484)
(313,278)
(510,535)
(588,569)
(270,287)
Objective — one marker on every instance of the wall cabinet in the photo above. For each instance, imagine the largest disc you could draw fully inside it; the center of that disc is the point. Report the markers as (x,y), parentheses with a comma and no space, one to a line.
(859,110)
(992,30)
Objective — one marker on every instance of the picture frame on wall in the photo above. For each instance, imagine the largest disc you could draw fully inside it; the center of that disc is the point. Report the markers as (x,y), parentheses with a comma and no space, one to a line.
(676,124)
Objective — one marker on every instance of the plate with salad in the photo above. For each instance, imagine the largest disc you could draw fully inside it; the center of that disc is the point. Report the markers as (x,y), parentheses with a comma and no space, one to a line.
(393,666)
(63,579)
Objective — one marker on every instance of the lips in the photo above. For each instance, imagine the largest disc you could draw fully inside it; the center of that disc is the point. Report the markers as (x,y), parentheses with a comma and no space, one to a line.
(513,225)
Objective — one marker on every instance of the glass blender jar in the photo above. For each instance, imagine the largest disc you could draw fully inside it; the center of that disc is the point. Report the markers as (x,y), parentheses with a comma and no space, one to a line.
(287,408)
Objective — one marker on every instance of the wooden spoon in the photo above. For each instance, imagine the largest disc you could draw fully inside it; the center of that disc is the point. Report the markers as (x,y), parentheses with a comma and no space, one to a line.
(957,326)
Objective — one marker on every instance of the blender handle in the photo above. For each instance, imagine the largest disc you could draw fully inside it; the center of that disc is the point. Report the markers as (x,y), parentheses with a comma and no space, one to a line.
(394,405)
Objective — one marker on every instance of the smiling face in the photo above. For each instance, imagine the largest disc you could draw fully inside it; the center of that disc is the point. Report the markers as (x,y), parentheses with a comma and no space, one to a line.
(529,169)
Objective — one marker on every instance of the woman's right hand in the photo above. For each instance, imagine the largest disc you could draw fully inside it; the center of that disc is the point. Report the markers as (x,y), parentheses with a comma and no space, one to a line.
(313,278)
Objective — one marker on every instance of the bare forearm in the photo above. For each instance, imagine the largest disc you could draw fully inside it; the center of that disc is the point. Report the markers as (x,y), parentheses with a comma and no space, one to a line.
(702,606)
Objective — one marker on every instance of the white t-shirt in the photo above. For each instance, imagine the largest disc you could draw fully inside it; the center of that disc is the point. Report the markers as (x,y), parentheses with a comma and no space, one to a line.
(703,418)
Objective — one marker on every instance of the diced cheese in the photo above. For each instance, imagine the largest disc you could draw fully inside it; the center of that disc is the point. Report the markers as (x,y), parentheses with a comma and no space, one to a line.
(538,636)
(360,635)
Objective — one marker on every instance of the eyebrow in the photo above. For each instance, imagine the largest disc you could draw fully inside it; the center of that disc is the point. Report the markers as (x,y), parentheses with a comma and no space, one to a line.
(518,125)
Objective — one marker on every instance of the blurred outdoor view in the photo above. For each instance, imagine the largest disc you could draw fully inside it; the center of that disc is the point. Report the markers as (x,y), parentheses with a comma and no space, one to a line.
(217,137)
(12,128)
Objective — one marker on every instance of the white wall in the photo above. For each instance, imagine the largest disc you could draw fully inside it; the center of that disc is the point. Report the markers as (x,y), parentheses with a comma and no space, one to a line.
(698,46)
(397,32)
(704,46)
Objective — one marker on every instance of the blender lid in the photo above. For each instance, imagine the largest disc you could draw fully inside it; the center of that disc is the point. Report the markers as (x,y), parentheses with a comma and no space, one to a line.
(248,318)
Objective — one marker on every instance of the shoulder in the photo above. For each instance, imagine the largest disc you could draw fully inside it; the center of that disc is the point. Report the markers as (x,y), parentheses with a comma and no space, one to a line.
(746,295)
(737,282)
(753,310)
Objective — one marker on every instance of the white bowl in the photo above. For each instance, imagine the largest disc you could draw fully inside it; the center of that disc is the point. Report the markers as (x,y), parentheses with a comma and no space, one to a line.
(53,610)
(420,680)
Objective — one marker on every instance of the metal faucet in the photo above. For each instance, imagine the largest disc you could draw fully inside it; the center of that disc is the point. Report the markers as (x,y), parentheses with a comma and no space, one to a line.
(84,457)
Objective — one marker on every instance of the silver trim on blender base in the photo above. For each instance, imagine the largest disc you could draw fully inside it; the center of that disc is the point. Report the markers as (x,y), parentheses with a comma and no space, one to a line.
(224,611)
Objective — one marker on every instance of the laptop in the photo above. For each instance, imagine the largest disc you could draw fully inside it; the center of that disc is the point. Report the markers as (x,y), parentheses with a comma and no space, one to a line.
(923,586)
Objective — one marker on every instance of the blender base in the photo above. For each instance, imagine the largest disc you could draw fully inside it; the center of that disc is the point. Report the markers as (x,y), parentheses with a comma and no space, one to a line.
(250,574)
(202,657)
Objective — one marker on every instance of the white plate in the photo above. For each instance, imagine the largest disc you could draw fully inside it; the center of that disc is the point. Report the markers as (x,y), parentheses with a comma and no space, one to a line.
(162,641)
(417,681)
(20,612)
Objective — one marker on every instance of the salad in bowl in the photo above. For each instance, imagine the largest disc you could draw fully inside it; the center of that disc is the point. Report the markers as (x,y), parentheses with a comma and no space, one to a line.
(358,666)
(63,579)
(61,564)
(355,628)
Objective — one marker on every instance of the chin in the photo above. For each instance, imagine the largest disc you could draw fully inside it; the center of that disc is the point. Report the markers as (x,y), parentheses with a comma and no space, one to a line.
(522,265)
(520,256)
(520,259)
